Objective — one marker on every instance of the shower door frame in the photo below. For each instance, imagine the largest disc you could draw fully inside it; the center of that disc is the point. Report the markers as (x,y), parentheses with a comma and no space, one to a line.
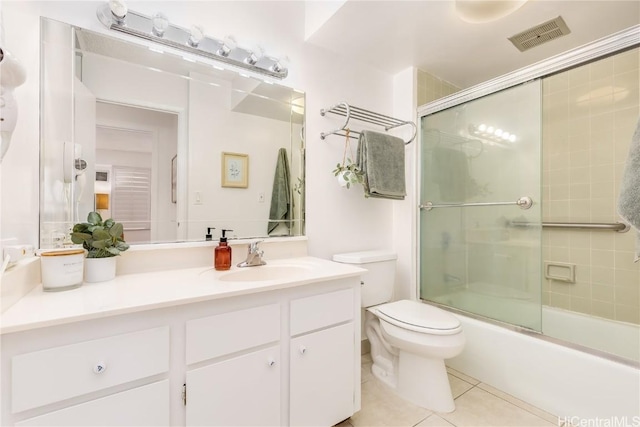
(610,45)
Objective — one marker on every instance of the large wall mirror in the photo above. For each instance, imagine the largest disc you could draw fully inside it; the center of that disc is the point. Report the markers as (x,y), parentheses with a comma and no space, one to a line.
(164,144)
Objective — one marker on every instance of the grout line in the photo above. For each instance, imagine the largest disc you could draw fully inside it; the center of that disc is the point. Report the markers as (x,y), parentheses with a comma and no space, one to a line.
(428,416)
(518,406)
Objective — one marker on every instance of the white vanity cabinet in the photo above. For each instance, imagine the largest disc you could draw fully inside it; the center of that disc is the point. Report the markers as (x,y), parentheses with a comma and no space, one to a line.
(322,352)
(286,356)
(242,385)
(112,377)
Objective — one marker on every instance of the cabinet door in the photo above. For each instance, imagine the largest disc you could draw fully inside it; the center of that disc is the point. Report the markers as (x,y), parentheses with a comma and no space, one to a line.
(143,406)
(243,391)
(322,377)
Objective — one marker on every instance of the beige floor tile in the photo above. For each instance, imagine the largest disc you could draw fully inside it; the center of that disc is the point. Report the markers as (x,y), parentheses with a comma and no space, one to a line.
(524,405)
(434,421)
(458,386)
(345,423)
(366,358)
(478,407)
(365,372)
(462,376)
(382,407)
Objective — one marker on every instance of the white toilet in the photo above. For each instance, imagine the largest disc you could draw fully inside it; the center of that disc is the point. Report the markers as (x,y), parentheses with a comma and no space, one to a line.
(409,340)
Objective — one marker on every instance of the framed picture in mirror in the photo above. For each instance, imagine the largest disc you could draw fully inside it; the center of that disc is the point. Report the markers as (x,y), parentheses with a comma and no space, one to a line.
(235,170)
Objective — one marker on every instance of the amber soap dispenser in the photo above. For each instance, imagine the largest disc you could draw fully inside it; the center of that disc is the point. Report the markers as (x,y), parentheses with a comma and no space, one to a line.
(222,253)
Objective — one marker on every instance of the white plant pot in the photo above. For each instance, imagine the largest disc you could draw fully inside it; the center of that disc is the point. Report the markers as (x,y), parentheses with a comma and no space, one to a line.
(99,269)
(341,180)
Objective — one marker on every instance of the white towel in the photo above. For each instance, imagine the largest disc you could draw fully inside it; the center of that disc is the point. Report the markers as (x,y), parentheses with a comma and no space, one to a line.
(629,200)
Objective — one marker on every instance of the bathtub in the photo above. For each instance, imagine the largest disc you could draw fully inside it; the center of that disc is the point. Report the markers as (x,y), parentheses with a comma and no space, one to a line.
(564,381)
(610,336)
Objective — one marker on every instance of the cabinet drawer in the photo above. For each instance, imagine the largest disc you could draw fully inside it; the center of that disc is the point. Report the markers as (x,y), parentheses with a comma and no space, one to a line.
(142,406)
(319,311)
(228,333)
(59,373)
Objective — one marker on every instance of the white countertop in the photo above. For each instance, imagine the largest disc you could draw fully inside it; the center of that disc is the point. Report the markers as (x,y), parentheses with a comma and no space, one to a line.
(146,291)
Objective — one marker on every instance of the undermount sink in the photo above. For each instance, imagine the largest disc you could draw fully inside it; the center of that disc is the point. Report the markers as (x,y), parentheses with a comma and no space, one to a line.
(266,272)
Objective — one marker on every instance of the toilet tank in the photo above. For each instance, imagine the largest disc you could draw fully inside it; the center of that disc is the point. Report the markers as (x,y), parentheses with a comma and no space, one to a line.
(377,287)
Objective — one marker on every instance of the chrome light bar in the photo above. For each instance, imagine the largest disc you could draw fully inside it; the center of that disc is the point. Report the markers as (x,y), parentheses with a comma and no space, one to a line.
(115,16)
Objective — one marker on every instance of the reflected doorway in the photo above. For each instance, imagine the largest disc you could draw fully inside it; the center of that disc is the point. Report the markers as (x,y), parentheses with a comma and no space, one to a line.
(135,180)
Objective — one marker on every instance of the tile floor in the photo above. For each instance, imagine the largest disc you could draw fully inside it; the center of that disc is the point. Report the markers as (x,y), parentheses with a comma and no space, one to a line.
(477,404)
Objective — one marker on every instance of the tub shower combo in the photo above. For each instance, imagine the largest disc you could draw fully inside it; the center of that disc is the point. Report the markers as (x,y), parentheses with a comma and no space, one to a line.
(519,179)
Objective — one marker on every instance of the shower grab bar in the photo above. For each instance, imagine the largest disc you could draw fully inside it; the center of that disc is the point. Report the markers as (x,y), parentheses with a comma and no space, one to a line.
(523,203)
(620,227)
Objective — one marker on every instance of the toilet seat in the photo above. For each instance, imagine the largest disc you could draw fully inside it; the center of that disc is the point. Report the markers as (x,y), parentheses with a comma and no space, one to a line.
(418,317)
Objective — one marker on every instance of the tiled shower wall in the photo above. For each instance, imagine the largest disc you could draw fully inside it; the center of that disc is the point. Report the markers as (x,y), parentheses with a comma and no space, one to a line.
(431,88)
(589,116)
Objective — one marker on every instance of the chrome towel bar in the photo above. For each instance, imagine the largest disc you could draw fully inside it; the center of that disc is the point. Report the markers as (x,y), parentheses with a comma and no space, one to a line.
(367,116)
(620,227)
(523,203)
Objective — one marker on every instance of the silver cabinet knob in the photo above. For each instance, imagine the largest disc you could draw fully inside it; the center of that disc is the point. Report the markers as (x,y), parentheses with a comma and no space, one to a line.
(99,367)
(271,362)
(303,349)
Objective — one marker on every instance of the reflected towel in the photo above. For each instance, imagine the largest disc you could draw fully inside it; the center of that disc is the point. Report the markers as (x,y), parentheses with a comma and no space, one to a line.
(381,157)
(629,199)
(450,170)
(280,196)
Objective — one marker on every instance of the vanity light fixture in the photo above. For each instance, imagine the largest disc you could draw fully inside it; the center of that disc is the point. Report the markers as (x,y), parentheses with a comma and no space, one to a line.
(116,16)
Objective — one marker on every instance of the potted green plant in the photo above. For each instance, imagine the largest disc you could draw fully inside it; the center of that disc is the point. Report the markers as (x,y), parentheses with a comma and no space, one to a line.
(103,241)
(348,173)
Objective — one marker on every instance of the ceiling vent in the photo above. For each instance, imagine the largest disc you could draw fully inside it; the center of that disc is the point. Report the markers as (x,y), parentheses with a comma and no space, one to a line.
(540,34)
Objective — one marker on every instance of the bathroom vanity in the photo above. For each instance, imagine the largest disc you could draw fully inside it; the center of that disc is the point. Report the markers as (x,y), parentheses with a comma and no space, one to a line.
(277,346)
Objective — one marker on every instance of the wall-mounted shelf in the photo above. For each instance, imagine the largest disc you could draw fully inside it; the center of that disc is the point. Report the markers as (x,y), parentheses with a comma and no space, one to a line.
(357,113)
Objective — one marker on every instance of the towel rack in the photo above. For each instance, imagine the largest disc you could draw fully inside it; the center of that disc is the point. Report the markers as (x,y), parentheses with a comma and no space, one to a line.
(357,113)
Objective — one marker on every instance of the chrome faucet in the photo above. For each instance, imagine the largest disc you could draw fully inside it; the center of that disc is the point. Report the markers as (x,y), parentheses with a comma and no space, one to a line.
(254,257)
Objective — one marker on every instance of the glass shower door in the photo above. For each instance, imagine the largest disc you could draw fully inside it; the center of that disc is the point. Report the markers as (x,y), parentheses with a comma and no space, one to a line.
(480,241)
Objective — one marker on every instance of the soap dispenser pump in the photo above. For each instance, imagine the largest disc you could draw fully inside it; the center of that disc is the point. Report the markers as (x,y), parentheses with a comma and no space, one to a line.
(208,236)
(222,253)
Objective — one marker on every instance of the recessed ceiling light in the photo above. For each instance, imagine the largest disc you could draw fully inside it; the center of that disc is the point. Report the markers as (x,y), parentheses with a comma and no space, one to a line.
(481,11)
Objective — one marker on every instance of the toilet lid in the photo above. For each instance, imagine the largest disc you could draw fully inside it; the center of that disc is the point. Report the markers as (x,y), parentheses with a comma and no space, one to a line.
(419,315)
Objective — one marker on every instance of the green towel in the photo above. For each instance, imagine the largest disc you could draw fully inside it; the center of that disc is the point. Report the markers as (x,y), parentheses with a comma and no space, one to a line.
(381,157)
(280,196)
(629,199)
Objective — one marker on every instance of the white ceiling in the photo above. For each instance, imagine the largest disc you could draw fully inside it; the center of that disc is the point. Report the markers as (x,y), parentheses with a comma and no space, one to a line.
(393,35)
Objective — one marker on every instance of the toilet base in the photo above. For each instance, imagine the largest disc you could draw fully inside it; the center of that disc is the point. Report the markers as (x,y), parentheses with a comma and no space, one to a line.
(384,375)
(424,382)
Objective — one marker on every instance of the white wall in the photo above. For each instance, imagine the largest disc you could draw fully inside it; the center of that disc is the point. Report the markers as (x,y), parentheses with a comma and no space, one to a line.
(215,128)
(338,220)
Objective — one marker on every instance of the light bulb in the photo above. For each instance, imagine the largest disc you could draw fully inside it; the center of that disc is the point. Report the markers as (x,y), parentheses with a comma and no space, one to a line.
(118,10)
(497,132)
(277,67)
(228,45)
(160,24)
(512,138)
(482,127)
(251,58)
(490,129)
(197,33)
(505,136)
